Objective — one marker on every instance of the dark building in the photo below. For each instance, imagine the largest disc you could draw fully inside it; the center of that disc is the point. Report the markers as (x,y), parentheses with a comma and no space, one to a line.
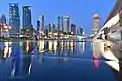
(38,26)
(81,31)
(41,19)
(3,19)
(73,29)
(14,18)
(46,32)
(49,28)
(53,27)
(60,23)
(26,18)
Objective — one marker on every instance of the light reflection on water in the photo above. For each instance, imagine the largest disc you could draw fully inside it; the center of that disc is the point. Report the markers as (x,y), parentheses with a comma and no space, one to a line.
(55,59)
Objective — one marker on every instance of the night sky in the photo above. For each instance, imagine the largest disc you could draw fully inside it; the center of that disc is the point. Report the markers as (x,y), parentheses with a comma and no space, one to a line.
(80,11)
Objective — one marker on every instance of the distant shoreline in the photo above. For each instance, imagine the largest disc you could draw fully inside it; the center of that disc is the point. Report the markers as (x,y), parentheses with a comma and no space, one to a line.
(15,39)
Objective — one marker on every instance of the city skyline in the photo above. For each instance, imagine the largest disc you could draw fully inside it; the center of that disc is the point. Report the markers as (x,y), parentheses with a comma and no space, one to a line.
(81,16)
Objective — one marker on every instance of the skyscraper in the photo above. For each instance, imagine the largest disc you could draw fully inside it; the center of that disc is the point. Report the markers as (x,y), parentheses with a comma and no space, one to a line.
(49,27)
(73,29)
(3,19)
(14,18)
(60,23)
(78,31)
(81,31)
(41,19)
(38,25)
(66,24)
(26,17)
(53,26)
(95,24)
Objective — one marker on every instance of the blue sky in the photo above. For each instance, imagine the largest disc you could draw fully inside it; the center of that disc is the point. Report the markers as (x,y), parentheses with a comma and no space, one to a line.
(80,11)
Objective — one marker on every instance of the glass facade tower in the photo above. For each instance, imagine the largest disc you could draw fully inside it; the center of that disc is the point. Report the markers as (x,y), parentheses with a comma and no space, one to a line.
(26,18)
(14,18)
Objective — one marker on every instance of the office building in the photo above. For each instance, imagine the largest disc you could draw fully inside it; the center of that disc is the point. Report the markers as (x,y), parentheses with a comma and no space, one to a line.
(53,27)
(41,19)
(80,31)
(60,23)
(95,24)
(38,25)
(49,28)
(14,19)
(3,25)
(26,17)
(73,29)
(3,19)
(66,24)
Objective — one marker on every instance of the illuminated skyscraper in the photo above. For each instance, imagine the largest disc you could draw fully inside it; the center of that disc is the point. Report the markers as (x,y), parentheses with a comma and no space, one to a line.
(14,18)
(95,24)
(66,24)
(26,17)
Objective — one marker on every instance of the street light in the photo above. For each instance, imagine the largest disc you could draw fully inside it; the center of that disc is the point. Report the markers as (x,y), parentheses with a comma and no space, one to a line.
(10,27)
(5,27)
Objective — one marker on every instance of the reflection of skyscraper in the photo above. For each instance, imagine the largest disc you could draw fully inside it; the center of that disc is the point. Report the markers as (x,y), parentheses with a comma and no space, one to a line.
(26,17)
(14,18)
(7,49)
(95,23)
(66,24)
(15,59)
(41,46)
(28,48)
(26,64)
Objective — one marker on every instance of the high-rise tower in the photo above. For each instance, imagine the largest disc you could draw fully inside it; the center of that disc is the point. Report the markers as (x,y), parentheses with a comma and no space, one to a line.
(41,19)
(95,24)
(26,17)
(14,18)
(60,23)
(66,24)
(3,19)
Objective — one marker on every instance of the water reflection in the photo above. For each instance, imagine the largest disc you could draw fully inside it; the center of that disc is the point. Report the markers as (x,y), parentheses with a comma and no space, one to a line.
(21,63)
(7,50)
(19,56)
(111,53)
(57,48)
(61,49)
(28,51)
(15,61)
